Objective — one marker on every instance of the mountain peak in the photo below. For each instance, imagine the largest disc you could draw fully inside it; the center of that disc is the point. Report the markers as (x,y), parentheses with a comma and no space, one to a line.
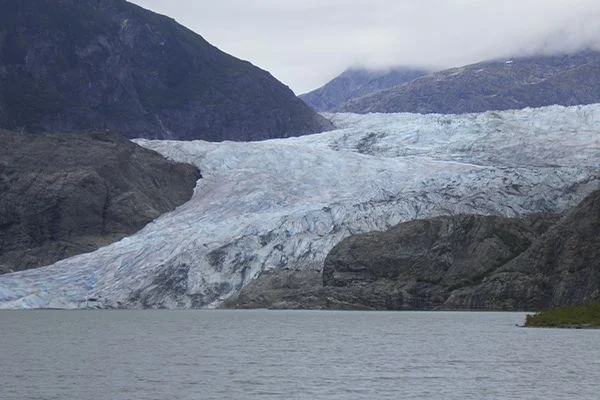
(81,65)
(358,81)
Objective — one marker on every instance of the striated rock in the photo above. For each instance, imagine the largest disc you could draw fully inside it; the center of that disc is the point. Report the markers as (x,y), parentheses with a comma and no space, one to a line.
(76,65)
(464,262)
(492,85)
(418,264)
(561,268)
(474,262)
(65,194)
(357,82)
(296,290)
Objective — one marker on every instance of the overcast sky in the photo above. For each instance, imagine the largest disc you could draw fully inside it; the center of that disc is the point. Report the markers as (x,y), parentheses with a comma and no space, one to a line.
(305,43)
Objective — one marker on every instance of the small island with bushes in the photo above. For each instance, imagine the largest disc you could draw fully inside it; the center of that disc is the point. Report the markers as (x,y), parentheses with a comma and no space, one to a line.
(578,317)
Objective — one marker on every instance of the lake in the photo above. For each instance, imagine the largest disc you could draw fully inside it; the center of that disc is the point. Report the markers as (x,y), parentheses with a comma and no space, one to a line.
(291,355)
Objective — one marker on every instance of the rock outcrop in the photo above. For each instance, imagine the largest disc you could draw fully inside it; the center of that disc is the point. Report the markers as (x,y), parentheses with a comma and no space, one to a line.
(420,263)
(459,262)
(358,82)
(492,85)
(561,268)
(294,289)
(77,65)
(65,194)
(474,262)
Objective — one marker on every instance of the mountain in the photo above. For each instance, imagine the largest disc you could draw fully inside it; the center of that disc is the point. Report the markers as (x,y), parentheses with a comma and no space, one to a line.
(77,65)
(271,208)
(66,194)
(358,82)
(493,85)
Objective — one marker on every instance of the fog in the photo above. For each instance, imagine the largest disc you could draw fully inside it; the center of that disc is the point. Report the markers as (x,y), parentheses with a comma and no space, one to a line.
(306,43)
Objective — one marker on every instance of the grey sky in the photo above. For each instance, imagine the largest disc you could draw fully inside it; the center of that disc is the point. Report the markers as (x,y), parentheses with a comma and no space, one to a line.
(304,43)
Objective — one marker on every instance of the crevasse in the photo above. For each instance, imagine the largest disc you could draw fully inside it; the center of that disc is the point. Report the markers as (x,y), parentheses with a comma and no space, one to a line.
(285,203)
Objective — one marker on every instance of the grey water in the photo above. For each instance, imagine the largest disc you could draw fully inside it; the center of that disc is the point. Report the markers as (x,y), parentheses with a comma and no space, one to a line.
(133,355)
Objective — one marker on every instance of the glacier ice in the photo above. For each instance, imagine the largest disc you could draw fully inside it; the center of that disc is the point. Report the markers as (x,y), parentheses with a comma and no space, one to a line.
(285,203)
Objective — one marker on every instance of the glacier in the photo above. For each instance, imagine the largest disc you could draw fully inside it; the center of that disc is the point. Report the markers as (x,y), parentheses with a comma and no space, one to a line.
(284,203)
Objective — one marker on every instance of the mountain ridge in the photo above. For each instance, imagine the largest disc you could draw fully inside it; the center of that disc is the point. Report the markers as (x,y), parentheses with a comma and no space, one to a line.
(358,82)
(495,85)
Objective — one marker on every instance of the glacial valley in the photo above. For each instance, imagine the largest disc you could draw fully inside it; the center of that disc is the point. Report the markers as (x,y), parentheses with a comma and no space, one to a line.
(284,203)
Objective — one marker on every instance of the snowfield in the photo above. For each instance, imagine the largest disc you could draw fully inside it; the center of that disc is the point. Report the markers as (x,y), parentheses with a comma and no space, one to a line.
(285,203)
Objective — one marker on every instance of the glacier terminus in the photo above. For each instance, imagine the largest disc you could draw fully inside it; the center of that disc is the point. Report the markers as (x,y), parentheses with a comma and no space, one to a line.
(284,203)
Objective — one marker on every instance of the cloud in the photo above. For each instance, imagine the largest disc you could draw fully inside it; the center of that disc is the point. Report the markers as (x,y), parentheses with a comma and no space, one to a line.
(306,42)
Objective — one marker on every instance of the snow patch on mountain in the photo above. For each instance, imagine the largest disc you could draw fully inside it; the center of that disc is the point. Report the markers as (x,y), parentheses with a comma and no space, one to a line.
(285,203)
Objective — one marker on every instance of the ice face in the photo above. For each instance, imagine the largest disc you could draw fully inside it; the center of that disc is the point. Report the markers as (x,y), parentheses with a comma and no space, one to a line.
(285,203)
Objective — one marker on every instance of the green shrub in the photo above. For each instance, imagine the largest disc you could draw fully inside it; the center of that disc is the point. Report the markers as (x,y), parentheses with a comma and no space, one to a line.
(574,316)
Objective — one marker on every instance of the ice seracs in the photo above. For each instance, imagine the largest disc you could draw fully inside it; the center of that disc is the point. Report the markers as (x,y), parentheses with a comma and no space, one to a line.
(284,203)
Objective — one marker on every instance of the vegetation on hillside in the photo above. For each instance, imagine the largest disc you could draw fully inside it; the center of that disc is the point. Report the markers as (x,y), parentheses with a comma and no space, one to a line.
(587,316)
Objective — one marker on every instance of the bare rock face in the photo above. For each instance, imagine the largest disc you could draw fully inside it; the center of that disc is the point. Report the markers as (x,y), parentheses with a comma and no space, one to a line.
(474,262)
(460,262)
(561,268)
(77,65)
(418,264)
(65,194)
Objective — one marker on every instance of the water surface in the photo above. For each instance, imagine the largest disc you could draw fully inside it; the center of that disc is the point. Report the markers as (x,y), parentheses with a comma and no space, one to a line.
(291,355)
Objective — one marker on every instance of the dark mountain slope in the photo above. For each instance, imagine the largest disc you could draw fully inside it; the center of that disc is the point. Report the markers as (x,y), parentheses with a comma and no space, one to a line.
(493,85)
(64,194)
(357,82)
(73,65)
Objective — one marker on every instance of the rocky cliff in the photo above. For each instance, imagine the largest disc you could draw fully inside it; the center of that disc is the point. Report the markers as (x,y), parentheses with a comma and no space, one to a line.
(493,85)
(474,262)
(358,82)
(73,65)
(66,194)
(460,262)
(561,268)
(419,264)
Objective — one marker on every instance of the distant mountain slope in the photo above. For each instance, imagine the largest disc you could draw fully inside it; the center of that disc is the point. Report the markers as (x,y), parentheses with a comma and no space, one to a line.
(66,194)
(493,85)
(357,82)
(74,65)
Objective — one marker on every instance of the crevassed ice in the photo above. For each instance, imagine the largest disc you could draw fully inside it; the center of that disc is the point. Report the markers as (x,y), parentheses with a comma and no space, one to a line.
(285,203)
